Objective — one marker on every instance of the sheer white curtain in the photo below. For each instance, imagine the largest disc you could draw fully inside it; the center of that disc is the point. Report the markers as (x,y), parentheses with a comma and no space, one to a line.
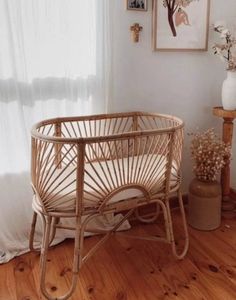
(54,61)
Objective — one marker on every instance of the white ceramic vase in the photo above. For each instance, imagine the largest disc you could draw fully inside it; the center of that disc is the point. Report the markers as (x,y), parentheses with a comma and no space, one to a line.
(229,91)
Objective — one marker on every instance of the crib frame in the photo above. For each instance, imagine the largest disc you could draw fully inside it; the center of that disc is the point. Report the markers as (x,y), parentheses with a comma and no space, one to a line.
(48,139)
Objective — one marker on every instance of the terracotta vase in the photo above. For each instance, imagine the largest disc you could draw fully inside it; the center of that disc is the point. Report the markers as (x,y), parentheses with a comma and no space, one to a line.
(204,211)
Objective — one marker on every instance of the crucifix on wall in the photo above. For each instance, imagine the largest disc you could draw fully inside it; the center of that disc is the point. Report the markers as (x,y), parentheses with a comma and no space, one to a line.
(136,29)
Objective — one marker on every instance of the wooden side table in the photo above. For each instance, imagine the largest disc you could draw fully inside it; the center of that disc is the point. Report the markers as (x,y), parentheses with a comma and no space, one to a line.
(228,194)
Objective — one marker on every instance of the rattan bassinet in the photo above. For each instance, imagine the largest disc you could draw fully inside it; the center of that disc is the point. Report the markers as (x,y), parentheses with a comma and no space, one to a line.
(95,165)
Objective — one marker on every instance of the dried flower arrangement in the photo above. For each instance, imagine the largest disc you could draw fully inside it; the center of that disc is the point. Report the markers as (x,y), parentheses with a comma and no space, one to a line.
(227,50)
(209,154)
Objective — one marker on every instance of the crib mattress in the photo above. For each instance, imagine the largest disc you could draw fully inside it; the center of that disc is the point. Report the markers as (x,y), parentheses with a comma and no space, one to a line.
(100,179)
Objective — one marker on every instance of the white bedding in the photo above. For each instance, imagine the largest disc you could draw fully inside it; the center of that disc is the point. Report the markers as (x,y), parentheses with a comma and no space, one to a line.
(99,173)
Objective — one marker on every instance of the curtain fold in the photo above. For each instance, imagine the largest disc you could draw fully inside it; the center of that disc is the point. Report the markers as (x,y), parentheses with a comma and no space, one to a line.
(55,60)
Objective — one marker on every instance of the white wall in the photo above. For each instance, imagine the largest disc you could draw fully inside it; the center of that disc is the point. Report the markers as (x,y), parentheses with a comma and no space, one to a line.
(185,84)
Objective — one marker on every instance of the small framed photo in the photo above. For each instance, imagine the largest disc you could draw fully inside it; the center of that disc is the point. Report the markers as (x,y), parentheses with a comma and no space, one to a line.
(180,25)
(140,5)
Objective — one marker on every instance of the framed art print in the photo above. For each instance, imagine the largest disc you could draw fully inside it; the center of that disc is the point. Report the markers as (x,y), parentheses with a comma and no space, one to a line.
(140,5)
(180,24)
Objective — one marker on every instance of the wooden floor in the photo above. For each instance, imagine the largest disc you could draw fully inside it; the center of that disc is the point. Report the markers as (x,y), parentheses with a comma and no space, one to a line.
(134,269)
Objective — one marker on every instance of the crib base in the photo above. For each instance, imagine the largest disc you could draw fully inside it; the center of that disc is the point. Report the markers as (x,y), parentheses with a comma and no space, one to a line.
(51,224)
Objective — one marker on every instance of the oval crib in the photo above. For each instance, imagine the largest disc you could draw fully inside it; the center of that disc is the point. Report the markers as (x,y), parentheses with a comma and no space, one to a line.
(95,165)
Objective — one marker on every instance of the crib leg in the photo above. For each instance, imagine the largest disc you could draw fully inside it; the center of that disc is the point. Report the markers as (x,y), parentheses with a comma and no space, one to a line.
(170,228)
(43,261)
(32,232)
(148,219)
(55,221)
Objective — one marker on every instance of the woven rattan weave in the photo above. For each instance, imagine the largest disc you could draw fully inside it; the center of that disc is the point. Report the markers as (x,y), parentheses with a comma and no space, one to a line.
(96,165)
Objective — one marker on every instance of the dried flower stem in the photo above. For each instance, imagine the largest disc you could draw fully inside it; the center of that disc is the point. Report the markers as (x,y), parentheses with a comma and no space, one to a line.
(209,154)
(225,51)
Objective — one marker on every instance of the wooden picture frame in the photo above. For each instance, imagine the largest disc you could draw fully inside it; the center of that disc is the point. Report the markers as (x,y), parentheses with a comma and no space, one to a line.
(185,30)
(138,5)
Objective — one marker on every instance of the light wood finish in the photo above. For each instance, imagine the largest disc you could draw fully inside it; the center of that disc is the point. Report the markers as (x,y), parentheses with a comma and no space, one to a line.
(134,269)
(222,113)
(154,30)
(136,29)
(228,117)
(80,163)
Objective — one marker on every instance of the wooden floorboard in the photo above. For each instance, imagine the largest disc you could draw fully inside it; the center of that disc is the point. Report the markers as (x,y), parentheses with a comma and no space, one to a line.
(134,269)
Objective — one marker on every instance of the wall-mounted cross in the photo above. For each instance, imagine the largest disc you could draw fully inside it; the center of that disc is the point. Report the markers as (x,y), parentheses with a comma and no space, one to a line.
(136,29)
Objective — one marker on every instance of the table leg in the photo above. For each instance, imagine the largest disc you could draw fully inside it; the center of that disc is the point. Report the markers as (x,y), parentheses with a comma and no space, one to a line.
(227,204)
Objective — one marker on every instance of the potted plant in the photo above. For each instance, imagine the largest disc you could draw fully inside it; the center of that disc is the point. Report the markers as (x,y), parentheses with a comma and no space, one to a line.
(209,155)
(227,52)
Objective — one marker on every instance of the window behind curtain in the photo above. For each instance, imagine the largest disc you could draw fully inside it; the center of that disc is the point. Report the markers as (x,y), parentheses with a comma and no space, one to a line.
(52,38)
